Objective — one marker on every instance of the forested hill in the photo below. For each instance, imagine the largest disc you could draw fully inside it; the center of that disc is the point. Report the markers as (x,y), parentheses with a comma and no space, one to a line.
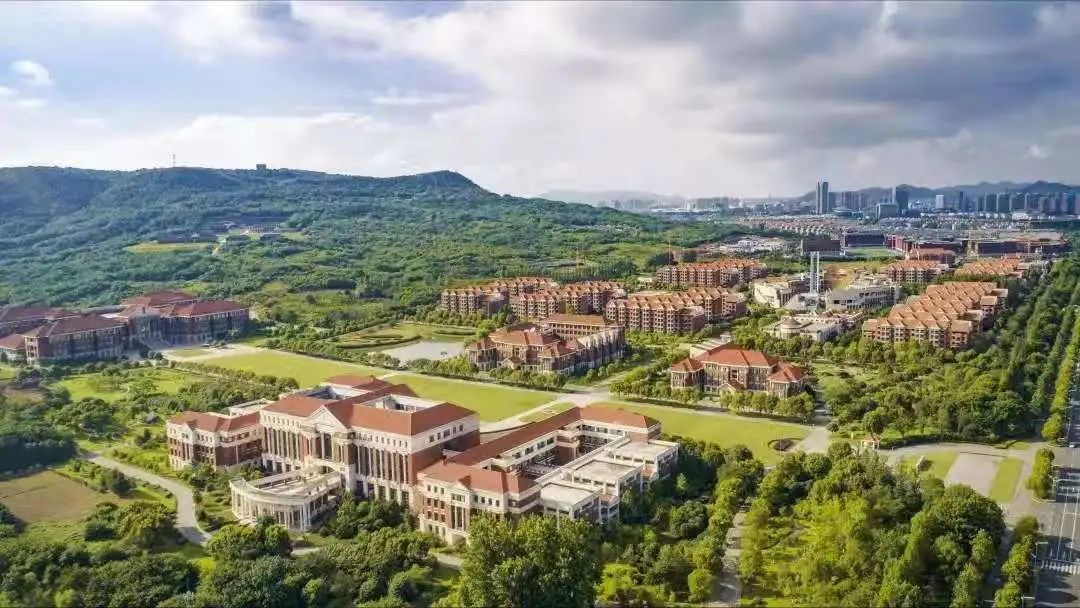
(67,235)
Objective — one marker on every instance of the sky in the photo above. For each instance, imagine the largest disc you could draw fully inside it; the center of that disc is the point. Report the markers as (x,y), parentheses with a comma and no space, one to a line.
(696,99)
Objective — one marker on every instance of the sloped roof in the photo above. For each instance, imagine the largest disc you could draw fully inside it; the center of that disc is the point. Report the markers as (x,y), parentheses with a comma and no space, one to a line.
(13,342)
(358,382)
(159,298)
(686,365)
(209,421)
(14,314)
(593,320)
(523,335)
(72,325)
(477,478)
(735,356)
(787,373)
(297,405)
(203,307)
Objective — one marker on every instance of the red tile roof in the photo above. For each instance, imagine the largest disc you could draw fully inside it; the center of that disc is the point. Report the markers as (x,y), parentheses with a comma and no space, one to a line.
(523,335)
(15,314)
(13,342)
(72,325)
(687,365)
(297,405)
(477,478)
(203,307)
(209,421)
(787,373)
(359,382)
(735,356)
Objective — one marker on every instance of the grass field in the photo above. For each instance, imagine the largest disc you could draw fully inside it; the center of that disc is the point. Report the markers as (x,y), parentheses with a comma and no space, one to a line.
(6,372)
(548,412)
(378,338)
(873,252)
(828,374)
(165,247)
(112,388)
(490,402)
(1008,475)
(939,463)
(726,430)
(48,496)
(308,371)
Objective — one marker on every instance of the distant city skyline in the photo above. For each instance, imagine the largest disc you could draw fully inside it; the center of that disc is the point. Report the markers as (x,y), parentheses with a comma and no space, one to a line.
(691,98)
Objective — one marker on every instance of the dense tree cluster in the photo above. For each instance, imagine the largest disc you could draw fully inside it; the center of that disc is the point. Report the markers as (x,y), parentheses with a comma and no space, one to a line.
(844,529)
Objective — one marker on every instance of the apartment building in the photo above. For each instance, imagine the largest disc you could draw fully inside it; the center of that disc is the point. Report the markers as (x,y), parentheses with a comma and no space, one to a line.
(1013,267)
(575,464)
(866,292)
(947,315)
(375,439)
(76,339)
(220,441)
(727,272)
(14,319)
(934,254)
(775,292)
(729,368)
(675,312)
(470,300)
(491,297)
(915,271)
(561,344)
(585,298)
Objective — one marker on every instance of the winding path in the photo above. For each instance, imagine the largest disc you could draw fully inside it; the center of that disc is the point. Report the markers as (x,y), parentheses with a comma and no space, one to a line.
(186,521)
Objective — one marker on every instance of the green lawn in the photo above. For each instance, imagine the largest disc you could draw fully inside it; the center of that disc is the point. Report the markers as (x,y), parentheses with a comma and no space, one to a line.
(725,430)
(939,463)
(7,372)
(489,401)
(165,247)
(549,411)
(829,374)
(48,496)
(112,388)
(1008,474)
(308,371)
(190,352)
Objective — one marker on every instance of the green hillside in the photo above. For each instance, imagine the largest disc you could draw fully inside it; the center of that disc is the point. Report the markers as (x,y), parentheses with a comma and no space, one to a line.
(68,235)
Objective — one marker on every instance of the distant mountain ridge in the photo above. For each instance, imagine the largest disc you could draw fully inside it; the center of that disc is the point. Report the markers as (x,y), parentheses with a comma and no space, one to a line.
(596,197)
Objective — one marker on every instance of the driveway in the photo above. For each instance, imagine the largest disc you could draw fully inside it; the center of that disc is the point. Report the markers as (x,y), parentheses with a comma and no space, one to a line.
(186,522)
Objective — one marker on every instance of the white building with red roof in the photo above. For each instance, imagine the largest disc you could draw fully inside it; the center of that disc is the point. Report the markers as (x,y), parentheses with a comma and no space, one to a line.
(729,368)
(379,440)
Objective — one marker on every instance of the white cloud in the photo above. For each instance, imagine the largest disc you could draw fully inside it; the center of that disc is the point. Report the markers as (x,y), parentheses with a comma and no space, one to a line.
(89,121)
(393,97)
(6,92)
(1037,151)
(29,103)
(32,72)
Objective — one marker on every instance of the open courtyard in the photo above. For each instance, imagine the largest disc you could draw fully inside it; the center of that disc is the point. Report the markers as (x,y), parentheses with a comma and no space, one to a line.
(307,371)
(490,402)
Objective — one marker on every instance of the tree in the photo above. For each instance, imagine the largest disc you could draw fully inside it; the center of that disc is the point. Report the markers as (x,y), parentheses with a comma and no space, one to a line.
(1041,482)
(700,582)
(535,561)
(143,580)
(238,541)
(267,582)
(619,585)
(1009,596)
(688,520)
(146,524)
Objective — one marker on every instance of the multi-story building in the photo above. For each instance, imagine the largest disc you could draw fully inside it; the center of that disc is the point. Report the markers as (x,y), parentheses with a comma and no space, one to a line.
(575,464)
(14,319)
(491,297)
(997,267)
(588,297)
(470,300)
(817,327)
(866,292)
(178,318)
(946,315)
(727,272)
(220,441)
(561,344)
(939,255)
(676,311)
(379,440)
(76,338)
(775,292)
(729,368)
(915,271)
(13,348)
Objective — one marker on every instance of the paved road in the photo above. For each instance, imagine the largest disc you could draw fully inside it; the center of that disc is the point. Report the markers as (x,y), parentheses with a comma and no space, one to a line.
(1058,575)
(186,522)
